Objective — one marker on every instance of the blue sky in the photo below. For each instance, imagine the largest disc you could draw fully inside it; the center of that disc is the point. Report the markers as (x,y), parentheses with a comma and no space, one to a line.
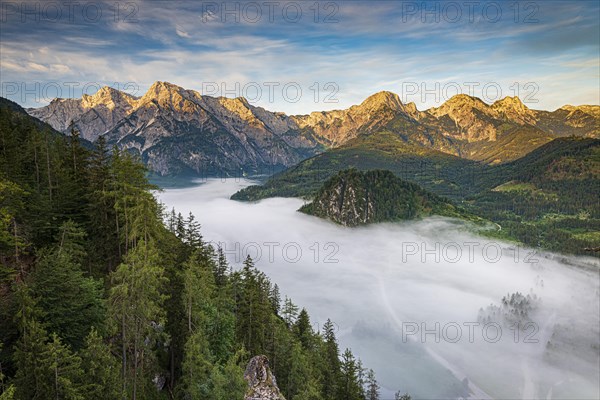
(287,56)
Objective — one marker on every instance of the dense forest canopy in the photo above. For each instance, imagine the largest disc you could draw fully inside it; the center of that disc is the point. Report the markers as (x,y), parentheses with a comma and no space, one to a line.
(106,295)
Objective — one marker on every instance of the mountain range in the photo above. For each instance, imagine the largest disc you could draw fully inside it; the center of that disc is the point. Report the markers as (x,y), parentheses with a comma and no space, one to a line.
(181,132)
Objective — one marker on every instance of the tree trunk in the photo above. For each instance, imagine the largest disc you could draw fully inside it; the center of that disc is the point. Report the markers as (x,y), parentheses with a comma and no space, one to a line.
(124,355)
(48,168)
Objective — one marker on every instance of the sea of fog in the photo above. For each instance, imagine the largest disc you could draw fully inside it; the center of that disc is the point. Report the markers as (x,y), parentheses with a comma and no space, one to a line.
(405,297)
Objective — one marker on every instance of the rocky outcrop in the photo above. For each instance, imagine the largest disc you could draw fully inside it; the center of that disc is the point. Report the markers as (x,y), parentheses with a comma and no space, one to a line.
(261,381)
(353,198)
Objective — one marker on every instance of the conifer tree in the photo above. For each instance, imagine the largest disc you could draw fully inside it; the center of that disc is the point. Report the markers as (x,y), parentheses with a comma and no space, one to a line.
(221,268)
(197,367)
(62,375)
(350,389)
(29,348)
(101,377)
(372,390)
(135,303)
(101,209)
(193,237)
(289,312)
(303,330)
(275,298)
(330,367)
(227,381)
(71,303)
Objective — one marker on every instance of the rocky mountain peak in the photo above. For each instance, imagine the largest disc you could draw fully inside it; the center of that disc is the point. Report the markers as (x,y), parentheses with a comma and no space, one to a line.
(109,97)
(513,102)
(160,89)
(168,96)
(464,102)
(383,98)
(588,109)
(513,109)
(261,381)
(471,116)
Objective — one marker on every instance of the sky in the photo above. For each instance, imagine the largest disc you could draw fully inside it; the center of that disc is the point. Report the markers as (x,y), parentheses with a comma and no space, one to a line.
(302,56)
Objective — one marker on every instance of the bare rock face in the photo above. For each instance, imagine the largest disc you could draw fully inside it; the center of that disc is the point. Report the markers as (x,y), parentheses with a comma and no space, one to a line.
(261,381)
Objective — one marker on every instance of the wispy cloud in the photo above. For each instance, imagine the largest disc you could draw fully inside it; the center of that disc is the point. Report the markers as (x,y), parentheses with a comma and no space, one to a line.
(360,47)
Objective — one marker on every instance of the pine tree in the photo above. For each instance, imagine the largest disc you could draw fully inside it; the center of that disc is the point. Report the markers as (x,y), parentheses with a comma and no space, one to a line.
(101,378)
(221,268)
(70,302)
(196,367)
(254,309)
(12,241)
(330,367)
(350,389)
(198,281)
(372,390)
(180,229)
(289,312)
(275,298)
(62,372)
(101,210)
(303,330)
(135,303)
(71,240)
(29,348)
(133,202)
(71,179)
(193,237)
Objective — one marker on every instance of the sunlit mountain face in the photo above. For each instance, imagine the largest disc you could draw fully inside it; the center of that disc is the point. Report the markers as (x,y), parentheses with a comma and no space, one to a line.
(330,200)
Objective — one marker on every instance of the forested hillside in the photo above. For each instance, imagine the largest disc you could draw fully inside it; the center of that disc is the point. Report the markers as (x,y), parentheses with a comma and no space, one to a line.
(354,198)
(105,295)
(547,199)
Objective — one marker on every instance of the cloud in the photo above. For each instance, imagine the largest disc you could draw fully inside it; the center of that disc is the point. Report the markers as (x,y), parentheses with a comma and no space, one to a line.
(373,46)
(371,280)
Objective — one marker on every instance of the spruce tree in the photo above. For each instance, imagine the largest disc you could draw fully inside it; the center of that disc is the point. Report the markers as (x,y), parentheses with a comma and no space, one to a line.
(350,389)
(101,375)
(135,304)
(289,312)
(29,349)
(62,372)
(193,237)
(221,268)
(330,366)
(70,302)
(303,330)
(372,389)
(275,298)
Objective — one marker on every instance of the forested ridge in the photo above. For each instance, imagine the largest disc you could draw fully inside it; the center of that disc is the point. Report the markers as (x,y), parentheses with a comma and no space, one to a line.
(547,199)
(106,295)
(353,197)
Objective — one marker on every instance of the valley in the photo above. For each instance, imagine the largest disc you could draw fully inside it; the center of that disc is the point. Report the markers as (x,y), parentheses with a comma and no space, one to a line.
(300,200)
(385,284)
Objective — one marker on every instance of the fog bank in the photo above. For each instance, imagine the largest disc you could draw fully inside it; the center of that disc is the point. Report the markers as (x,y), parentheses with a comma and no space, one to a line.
(421,302)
